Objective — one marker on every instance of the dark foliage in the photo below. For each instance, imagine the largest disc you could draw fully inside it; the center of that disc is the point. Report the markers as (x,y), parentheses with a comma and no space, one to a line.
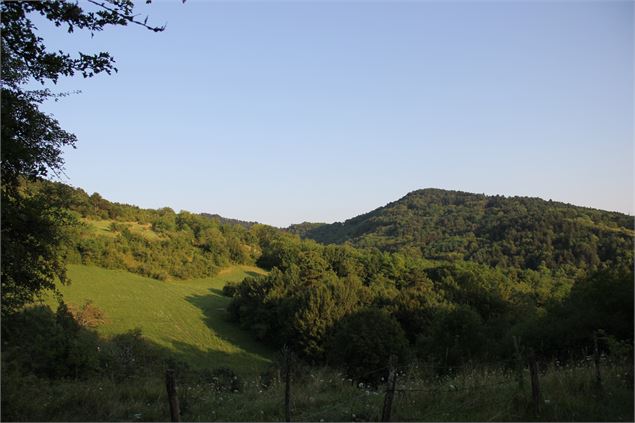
(363,342)
(451,312)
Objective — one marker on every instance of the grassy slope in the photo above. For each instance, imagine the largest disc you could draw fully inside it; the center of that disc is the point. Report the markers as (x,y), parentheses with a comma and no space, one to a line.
(187,317)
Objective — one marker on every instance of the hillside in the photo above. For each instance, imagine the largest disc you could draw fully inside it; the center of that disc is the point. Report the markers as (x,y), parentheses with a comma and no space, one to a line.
(186,317)
(496,230)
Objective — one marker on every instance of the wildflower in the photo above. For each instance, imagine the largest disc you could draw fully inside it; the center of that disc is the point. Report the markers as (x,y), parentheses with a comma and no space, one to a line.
(360,385)
(547,401)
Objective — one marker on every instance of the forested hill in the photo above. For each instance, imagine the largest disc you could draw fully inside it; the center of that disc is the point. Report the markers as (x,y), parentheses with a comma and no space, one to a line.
(229,221)
(496,230)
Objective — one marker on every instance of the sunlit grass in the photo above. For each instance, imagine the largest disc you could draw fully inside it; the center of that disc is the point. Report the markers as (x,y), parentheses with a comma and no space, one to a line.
(187,317)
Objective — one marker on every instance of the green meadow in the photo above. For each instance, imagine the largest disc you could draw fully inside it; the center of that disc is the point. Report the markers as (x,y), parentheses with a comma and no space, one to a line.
(187,317)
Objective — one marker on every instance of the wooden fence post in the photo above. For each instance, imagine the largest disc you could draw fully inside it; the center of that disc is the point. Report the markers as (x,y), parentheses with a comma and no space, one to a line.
(535,382)
(390,391)
(519,365)
(286,356)
(170,384)
(596,359)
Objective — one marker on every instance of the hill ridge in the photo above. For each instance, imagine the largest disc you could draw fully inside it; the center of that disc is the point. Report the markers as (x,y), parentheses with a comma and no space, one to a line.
(493,229)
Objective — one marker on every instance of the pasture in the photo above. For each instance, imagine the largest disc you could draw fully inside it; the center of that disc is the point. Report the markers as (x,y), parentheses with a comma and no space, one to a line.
(187,317)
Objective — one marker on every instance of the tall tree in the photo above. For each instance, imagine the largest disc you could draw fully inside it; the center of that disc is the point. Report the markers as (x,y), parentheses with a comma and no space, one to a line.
(33,225)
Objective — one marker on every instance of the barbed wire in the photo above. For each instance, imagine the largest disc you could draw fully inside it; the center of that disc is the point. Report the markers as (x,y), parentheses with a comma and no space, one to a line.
(455,389)
(345,402)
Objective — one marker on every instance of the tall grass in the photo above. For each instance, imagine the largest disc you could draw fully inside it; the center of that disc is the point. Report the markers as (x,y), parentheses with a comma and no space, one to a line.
(322,394)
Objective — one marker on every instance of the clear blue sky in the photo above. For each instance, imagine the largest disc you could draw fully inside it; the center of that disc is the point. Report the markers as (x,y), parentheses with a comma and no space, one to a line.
(283,112)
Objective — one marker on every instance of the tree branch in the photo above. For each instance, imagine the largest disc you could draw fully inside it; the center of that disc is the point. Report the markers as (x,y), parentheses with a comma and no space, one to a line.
(129,18)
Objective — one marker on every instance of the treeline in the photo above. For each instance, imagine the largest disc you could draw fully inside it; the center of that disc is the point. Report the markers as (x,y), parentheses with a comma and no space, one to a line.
(342,305)
(172,245)
(513,232)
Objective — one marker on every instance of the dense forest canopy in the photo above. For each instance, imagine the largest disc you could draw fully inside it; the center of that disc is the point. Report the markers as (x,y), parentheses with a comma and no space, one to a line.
(518,232)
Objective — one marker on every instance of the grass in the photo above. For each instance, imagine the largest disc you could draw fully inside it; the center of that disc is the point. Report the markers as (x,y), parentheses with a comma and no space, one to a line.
(187,317)
(322,394)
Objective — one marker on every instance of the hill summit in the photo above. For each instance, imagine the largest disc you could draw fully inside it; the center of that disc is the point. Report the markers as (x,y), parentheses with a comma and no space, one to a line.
(507,231)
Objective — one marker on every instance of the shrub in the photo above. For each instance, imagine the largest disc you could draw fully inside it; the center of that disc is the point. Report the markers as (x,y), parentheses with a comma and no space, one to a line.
(50,344)
(230,289)
(128,354)
(87,315)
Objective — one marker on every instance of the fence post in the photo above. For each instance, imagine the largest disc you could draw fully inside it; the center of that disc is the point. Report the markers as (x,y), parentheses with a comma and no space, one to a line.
(596,359)
(535,382)
(170,384)
(286,356)
(519,365)
(390,391)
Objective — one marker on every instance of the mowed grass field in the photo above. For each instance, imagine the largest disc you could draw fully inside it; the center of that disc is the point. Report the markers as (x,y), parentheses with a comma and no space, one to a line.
(188,317)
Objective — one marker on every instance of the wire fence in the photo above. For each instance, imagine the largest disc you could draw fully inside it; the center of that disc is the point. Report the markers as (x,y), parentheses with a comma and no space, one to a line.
(347,402)
(457,388)
(405,389)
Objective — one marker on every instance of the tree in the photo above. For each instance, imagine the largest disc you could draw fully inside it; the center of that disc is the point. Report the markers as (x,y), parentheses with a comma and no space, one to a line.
(33,225)
(364,341)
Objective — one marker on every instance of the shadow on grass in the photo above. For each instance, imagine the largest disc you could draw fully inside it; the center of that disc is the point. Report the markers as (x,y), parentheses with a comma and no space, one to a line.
(242,362)
(214,308)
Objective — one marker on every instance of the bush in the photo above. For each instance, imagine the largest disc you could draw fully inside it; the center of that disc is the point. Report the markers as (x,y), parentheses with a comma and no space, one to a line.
(50,344)
(230,289)
(87,315)
(128,354)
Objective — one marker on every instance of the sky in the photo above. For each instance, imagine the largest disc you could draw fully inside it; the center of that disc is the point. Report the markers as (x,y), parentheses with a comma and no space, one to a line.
(284,112)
